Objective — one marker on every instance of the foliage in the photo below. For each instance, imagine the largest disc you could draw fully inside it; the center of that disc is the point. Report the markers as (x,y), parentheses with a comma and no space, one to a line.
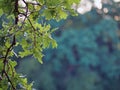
(20,27)
(89,60)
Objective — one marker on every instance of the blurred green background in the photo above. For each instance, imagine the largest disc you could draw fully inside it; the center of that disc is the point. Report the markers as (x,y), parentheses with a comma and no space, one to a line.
(88,52)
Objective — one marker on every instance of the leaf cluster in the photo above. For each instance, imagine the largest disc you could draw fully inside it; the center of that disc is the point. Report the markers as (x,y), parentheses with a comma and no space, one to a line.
(21,28)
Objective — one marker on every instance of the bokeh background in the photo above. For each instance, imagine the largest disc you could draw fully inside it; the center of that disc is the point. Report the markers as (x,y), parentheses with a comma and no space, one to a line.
(88,52)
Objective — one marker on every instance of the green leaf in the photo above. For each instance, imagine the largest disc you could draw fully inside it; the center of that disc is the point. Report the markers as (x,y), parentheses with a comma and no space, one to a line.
(25,53)
(7,44)
(1,12)
(38,55)
(41,2)
(13,63)
(40,59)
(48,13)
(54,44)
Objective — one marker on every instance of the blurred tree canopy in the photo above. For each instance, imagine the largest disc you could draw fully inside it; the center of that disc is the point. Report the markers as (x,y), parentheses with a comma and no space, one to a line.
(23,25)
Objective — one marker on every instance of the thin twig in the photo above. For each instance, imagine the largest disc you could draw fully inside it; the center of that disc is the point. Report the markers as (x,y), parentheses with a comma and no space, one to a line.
(9,80)
(7,52)
(5,60)
(34,34)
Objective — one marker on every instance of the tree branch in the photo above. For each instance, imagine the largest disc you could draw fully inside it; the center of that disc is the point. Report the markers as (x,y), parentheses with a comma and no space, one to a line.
(5,60)
(9,80)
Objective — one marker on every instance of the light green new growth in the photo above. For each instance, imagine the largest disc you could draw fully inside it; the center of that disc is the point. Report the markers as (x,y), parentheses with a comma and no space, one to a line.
(20,27)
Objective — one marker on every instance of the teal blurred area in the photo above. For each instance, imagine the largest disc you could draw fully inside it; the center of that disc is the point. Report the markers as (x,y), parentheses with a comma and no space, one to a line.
(87,56)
